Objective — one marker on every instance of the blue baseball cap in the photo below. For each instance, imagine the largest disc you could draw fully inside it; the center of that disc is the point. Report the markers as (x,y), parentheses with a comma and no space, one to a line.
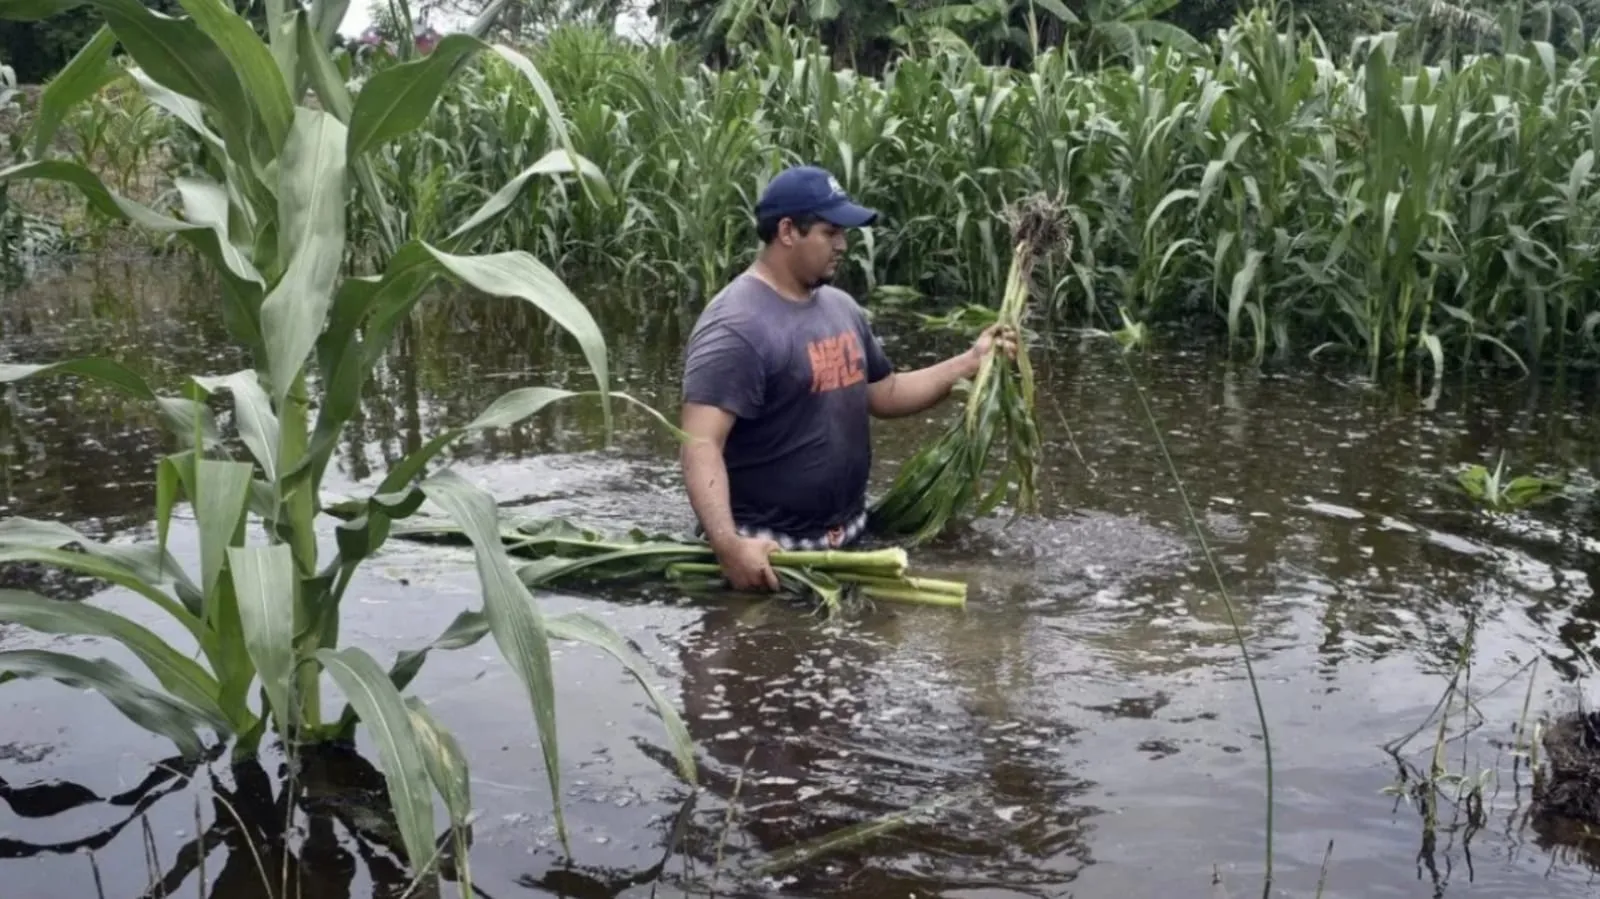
(809,189)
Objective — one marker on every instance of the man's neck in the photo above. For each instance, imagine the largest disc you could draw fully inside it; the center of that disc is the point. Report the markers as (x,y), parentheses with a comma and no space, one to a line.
(787,287)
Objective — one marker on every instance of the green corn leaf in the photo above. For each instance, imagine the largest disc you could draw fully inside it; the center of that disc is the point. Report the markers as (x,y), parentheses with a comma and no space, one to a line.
(147,563)
(581,628)
(552,163)
(98,566)
(201,236)
(547,98)
(264,583)
(219,493)
(106,371)
(205,204)
(89,70)
(258,424)
(311,240)
(179,674)
(514,619)
(400,753)
(398,99)
(326,16)
(176,53)
(251,62)
(187,110)
(518,274)
(472,626)
(447,764)
(153,711)
(325,79)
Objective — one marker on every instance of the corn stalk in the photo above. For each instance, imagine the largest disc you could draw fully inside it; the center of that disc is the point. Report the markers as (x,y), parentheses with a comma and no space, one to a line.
(292,147)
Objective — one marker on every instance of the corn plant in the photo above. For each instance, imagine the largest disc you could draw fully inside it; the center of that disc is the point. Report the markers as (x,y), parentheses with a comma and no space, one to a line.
(290,145)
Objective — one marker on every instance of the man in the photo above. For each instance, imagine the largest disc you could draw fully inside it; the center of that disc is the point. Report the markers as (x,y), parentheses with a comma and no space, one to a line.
(781,377)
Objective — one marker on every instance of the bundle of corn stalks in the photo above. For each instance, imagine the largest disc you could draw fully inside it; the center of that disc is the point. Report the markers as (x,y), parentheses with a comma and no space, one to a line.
(943,481)
(563,554)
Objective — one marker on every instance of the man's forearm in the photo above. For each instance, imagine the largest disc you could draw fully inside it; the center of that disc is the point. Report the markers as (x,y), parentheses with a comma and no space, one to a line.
(910,392)
(705,475)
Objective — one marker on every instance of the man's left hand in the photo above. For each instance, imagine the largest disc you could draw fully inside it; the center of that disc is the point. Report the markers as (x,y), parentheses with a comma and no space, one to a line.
(1002,335)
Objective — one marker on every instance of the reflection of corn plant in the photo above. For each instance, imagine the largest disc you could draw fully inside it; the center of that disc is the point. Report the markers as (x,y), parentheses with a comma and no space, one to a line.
(263,605)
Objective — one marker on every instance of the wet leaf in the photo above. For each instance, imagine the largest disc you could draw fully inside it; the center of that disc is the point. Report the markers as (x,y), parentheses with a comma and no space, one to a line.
(105,569)
(553,163)
(324,76)
(552,109)
(582,628)
(264,582)
(400,753)
(153,711)
(106,371)
(181,676)
(176,53)
(89,70)
(447,764)
(219,494)
(258,424)
(251,62)
(398,99)
(311,240)
(518,274)
(514,618)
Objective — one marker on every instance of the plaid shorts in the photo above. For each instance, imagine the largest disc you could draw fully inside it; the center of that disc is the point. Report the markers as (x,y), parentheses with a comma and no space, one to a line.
(835,538)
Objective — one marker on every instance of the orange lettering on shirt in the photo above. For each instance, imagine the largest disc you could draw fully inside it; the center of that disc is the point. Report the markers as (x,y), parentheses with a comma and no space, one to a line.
(836,362)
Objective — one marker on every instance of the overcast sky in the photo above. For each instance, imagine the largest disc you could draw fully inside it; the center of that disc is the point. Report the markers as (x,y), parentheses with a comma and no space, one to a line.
(359,16)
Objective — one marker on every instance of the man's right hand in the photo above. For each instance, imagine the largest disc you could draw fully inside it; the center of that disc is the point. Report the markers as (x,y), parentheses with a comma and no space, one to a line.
(745,564)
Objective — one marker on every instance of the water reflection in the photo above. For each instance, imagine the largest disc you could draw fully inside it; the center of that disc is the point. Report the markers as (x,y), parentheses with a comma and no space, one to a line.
(811,729)
(1086,714)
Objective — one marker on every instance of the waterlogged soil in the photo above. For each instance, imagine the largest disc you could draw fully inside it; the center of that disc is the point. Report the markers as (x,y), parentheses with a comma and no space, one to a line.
(1084,727)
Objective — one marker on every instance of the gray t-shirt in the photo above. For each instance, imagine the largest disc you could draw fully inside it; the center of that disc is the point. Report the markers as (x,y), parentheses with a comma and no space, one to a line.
(795,374)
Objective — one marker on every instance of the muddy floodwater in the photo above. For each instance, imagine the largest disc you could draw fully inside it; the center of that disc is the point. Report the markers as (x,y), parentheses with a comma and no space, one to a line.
(1083,728)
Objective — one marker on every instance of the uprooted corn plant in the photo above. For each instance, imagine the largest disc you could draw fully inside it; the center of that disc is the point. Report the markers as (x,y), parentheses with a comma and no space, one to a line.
(944,481)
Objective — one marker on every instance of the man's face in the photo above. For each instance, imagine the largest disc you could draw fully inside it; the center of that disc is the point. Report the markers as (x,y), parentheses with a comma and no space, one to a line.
(817,253)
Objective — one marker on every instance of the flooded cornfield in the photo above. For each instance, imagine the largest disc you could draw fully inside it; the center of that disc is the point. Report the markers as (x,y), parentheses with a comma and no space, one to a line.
(1084,727)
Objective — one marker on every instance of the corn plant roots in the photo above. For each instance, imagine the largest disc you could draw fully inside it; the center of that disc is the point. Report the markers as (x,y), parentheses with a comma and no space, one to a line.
(944,481)
(1572,789)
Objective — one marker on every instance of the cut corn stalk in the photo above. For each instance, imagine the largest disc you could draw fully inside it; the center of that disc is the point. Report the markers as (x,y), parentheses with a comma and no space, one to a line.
(943,481)
(560,553)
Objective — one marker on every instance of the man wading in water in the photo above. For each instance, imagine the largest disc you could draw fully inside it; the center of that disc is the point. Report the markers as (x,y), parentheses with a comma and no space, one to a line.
(780,377)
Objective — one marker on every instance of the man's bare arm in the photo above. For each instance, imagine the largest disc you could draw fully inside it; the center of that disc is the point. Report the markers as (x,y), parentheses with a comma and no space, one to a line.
(704,473)
(909,392)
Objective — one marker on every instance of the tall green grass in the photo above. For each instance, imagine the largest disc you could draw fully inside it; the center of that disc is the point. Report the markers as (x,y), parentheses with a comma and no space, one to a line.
(1397,213)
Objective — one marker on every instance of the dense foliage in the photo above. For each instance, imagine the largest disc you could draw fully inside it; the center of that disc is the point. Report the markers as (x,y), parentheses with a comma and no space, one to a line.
(1383,207)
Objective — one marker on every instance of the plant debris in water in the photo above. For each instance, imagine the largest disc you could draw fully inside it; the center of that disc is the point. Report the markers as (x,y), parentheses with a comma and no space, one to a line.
(562,553)
(944,480)
(1572,790)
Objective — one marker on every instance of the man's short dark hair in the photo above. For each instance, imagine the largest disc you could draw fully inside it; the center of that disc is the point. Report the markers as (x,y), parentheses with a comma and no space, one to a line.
(767,228)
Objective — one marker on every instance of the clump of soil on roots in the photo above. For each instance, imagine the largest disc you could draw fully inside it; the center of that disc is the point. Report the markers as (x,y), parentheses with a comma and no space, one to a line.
(1571,789)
